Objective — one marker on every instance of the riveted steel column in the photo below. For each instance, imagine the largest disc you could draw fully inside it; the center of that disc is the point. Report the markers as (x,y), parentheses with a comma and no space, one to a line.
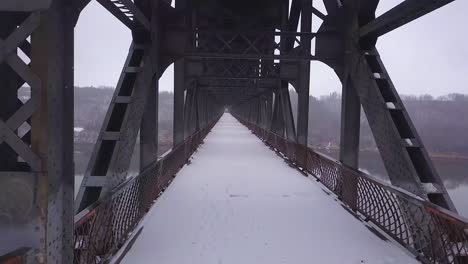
(197,110)
(277,119)
(179,89)
(350,106)
(188,112)
(286,112)
(179,86)
(202,108)
(269,109)
(149,128)
(52,129)
(149,122)
(350,126)
(304,75)
(303,84)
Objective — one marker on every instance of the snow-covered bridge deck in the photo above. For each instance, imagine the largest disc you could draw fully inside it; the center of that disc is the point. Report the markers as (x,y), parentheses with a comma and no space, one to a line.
(239,202)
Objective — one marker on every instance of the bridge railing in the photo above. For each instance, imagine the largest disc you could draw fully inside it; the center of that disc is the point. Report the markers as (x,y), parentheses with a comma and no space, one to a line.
(432,233)
(103,228)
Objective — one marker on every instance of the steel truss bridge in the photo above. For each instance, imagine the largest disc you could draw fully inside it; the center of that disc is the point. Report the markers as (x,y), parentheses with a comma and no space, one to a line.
(237,55)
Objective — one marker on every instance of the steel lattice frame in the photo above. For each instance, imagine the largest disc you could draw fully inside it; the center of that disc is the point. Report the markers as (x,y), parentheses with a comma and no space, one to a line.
(225,57)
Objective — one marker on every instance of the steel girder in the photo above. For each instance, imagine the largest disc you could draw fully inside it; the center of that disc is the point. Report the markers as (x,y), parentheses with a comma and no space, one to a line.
(217,44)
(367,83)
(37,162)
(244,55)
(149,122)
(41,159)
(111,156)
(350,126)
(179,89)
(303,83)
(233,69)
(274,114)
(400,15)
(149,128)
(401,148)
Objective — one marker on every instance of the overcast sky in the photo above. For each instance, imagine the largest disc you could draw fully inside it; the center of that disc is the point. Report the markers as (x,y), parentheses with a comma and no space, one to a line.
(429,55)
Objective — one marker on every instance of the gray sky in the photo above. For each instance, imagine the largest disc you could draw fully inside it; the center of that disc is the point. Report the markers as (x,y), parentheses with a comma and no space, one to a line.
(428,55)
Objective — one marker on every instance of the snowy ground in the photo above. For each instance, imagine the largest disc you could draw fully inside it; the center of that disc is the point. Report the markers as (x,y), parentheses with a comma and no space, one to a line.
(238,202)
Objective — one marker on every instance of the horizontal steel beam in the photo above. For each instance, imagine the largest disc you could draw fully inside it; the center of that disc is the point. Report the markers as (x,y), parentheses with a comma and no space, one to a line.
(400,15)
(216,77)
(24,5)
(210,55)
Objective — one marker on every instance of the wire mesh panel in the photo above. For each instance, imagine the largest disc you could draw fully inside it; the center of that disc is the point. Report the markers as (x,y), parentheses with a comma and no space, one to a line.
(432,233)
(102,229)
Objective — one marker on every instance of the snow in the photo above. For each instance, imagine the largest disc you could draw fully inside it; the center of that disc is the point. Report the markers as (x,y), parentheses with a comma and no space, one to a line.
(238,202)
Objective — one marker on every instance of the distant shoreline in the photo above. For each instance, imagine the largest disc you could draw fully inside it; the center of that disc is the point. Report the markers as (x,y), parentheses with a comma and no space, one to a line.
(440,156)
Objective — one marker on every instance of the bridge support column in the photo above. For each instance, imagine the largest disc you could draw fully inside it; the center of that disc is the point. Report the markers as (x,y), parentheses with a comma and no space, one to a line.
(179,90)
(149,127)
(202,108)
(269,110)
(196,108)
(191,111)
(304,86)
(349,140)
(277,121)
(286,111)
(304,76)
(52,130)
(262,106)
(350,126)
(37,162)
(149,122)
(257,106)
(188,108)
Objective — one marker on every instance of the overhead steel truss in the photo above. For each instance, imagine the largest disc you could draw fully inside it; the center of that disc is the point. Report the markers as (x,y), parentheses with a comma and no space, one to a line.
(227,54)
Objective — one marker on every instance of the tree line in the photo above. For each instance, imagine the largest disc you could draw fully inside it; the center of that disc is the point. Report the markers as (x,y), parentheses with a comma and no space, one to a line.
(441,121)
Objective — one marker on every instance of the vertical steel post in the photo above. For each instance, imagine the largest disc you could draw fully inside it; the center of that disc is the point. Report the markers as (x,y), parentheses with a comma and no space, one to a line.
(304,75)
(188,112)
(350,126)
(202,108)
(269,109)
(52,128)
(149,128)
(179,83)
(277,118)
(197,111)
(179,89)
(286,112)
(149,121)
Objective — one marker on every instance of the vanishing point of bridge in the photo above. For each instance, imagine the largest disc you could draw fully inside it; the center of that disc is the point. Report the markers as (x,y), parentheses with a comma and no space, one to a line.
(234,56)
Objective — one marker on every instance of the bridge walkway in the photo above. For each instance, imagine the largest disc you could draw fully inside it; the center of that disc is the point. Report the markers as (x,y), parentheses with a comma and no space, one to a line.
(239,202)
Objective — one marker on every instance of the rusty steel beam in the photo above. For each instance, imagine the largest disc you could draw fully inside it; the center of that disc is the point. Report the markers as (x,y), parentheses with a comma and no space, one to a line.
(24,5)
(400,15)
